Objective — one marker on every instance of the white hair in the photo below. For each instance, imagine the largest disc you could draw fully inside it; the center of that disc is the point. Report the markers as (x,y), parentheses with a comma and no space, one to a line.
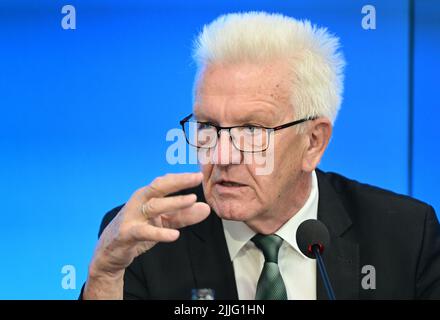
(257,37)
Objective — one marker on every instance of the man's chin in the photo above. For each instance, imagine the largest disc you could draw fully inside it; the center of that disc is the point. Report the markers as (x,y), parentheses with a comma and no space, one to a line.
(230,212)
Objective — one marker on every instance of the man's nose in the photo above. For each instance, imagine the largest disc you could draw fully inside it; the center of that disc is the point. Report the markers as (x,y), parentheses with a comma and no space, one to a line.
(225,152)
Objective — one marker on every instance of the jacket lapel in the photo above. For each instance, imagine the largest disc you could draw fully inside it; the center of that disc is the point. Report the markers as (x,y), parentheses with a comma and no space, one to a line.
(208,251)
(342,256)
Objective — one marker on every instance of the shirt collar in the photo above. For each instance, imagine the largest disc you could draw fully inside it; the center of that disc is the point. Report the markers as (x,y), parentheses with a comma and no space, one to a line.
(238,234)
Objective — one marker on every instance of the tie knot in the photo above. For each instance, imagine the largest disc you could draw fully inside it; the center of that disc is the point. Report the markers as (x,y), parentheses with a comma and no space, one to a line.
(269,245)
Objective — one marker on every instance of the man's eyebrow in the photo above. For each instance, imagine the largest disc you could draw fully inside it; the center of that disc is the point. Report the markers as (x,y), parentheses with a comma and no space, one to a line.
(258,116)
(251,118)
(203,118)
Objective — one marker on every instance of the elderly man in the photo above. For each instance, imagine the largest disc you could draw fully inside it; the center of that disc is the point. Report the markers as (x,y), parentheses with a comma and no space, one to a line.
(267,87)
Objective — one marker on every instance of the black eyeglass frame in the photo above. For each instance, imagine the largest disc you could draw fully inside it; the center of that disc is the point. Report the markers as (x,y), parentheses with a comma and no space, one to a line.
(219,128)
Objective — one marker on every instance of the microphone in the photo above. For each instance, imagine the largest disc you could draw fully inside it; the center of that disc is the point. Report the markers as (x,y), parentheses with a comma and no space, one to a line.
(312,238)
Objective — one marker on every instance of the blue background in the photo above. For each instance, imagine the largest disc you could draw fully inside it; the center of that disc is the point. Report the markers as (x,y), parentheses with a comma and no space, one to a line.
(85,112)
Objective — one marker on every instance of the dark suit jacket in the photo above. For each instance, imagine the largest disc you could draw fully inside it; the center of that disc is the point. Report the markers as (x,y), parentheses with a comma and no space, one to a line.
(397,235)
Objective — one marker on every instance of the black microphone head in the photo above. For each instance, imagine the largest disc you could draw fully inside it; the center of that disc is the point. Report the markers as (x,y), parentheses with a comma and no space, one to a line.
(310,233)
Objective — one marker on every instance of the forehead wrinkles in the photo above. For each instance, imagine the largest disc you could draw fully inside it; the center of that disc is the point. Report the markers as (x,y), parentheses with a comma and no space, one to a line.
(240,79)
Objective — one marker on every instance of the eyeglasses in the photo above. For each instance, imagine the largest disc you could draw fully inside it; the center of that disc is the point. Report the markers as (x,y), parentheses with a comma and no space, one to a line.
(244,138)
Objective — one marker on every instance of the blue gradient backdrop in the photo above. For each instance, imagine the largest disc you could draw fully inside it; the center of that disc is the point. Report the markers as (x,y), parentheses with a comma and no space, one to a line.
(85,112)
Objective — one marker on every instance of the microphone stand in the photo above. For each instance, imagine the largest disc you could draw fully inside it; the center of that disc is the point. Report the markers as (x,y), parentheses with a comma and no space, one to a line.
(323,271)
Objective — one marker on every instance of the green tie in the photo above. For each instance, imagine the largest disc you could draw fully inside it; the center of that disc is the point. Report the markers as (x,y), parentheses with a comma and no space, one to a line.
(270,285)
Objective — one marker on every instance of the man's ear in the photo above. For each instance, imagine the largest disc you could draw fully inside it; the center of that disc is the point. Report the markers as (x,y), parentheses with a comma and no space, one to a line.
(318,136)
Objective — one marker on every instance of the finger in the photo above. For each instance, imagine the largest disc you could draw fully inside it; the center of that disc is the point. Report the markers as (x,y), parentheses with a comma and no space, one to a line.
(196,213)
(156,206)
(147,232)
(171,183)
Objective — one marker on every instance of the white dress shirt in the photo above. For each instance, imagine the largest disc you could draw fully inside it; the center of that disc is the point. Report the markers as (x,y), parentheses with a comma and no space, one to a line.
(298,271)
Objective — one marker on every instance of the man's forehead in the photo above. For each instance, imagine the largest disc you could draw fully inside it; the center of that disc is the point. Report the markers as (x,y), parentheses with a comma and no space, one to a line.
(244,91)
(245,78)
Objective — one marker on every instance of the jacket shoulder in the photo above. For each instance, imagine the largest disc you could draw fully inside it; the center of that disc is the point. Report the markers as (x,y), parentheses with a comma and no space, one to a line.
(372,200)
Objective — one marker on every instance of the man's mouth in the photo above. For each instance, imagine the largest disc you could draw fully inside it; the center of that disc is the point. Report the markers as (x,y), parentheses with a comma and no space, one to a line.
(231,184)
(225,185)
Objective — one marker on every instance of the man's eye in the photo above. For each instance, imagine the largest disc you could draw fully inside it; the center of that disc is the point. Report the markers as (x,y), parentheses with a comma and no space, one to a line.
(203,126)
(250,129)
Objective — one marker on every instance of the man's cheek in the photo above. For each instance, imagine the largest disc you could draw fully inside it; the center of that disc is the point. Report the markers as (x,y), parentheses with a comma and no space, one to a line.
(262,163)
(207,172)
